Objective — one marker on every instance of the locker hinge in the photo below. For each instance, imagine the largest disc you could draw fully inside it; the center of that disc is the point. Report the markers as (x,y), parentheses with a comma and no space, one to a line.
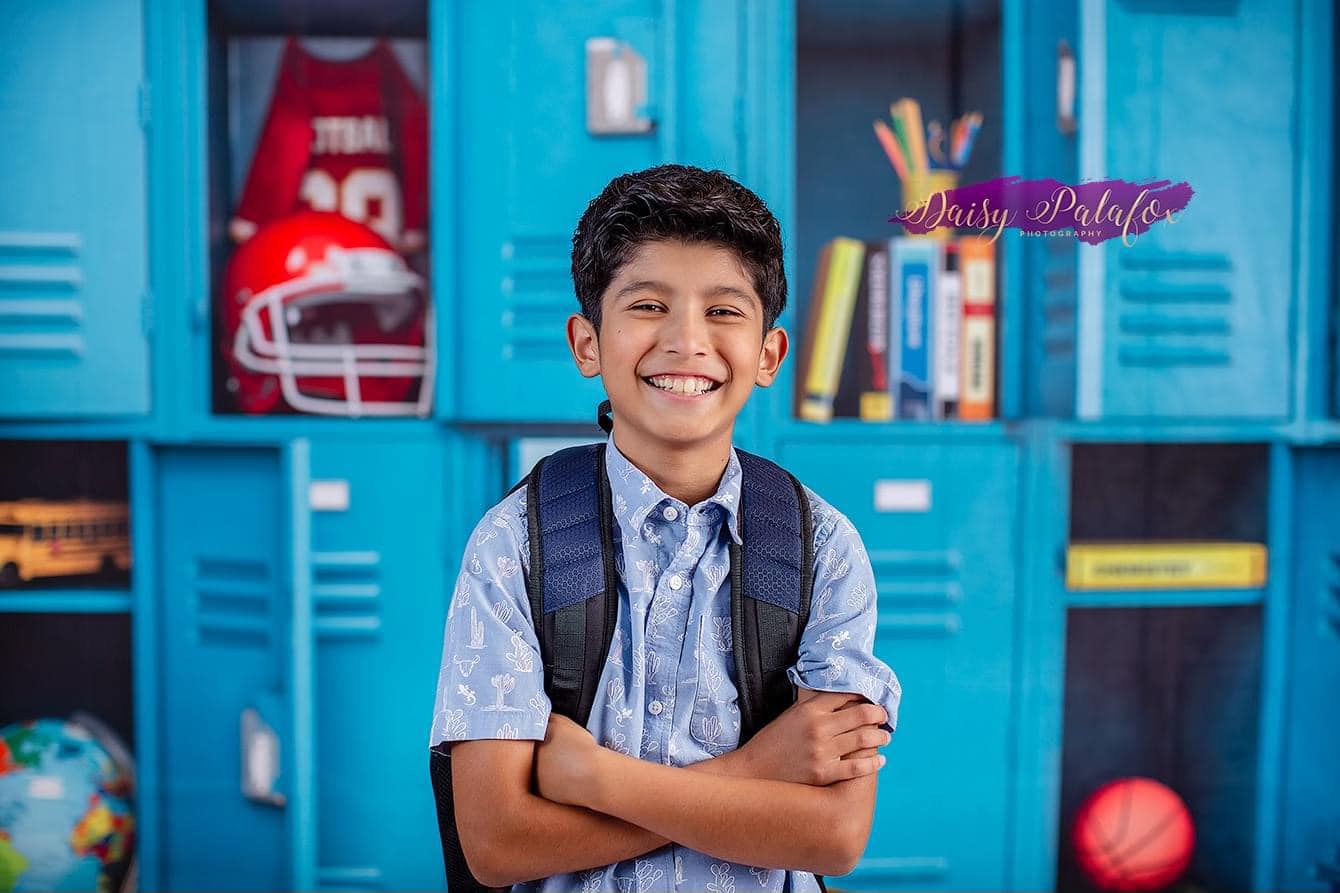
(144,104)
(147,313)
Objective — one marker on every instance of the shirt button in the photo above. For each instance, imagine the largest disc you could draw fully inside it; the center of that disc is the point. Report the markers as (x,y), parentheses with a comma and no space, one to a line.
(655,708)
(676,582)
(670,513)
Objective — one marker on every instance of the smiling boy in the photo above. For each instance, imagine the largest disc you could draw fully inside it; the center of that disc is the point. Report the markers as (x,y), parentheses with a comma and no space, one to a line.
(679,274)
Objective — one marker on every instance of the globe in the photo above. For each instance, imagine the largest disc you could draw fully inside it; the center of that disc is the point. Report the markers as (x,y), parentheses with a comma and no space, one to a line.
(65,811)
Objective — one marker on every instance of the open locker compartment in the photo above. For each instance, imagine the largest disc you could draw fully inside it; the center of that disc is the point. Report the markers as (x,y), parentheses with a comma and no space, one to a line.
(64,521)
(318,108)
(1171,694)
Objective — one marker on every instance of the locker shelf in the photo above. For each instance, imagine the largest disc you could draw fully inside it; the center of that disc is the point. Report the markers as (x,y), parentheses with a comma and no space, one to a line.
(66,601)
(848,430)
(1165,598)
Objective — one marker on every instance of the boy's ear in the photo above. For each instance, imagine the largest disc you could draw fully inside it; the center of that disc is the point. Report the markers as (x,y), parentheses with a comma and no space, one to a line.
(775,346)
(584,345)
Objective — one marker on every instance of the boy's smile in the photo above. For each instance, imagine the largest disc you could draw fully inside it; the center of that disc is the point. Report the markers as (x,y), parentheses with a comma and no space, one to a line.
(680,348)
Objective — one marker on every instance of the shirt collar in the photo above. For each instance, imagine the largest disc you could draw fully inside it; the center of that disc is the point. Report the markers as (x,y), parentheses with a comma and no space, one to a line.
(640,493)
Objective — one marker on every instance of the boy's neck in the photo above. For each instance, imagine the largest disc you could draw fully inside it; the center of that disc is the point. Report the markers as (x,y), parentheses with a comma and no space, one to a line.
(689,475)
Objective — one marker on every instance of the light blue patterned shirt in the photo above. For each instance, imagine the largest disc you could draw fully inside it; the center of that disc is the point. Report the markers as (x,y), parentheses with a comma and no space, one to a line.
(668,691)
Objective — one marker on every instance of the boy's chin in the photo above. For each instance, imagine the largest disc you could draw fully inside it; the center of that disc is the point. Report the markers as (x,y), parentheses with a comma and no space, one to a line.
(685,433)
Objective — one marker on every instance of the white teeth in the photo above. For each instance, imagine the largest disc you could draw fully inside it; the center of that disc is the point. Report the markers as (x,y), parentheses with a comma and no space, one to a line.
(679,384)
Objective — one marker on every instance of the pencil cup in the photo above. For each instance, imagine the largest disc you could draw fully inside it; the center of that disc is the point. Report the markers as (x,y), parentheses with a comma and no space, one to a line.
(920,186)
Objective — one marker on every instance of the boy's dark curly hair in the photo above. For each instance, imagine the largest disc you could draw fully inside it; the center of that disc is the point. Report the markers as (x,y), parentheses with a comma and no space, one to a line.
(676,201)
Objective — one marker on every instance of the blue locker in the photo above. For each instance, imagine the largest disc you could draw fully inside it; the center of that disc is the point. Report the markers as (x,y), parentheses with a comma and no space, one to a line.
(937,520)
(1309,818)
(73,252)
(1041,142)
(234,611)
(529,166)
(303,595)
(1192,321)
(379,589)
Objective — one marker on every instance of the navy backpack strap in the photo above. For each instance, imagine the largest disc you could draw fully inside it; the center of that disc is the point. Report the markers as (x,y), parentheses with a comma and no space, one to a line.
(772,577)
(574,598)
(573,586)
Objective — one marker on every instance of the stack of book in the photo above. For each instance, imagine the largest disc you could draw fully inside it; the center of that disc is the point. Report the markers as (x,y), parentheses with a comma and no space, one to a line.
(902,328)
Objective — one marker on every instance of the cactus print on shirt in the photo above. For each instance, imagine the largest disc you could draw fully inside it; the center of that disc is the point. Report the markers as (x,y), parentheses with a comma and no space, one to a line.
(667,692)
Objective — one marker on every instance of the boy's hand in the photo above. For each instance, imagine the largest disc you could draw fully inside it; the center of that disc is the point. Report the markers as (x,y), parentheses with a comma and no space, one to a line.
(824,737)
(565,762)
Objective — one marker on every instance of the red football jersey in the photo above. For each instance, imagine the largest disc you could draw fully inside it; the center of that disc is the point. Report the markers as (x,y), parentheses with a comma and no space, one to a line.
(349,137)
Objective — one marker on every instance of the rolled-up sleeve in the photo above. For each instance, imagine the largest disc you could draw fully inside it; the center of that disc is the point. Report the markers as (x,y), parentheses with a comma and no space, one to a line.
(491,681)
(837,646)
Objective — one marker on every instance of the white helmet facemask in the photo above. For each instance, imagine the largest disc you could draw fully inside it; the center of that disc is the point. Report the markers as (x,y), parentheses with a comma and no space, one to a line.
(368,276)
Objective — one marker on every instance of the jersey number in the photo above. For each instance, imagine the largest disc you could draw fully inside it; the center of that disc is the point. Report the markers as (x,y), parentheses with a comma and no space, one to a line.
(369,195)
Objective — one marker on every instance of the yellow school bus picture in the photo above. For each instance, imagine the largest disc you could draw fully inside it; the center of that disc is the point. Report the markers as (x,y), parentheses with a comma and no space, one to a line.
(52,538)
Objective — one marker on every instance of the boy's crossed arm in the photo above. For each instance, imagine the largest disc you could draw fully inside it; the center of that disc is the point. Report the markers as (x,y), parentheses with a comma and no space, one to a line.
(799,795)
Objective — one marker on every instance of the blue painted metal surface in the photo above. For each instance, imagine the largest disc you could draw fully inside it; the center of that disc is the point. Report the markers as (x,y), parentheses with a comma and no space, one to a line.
(1316,352)
(380,574)
(1276,611)
(226,618)
(75,309)
(1193,320)
(1305,829)
(532,168)
(1040,286)
(146,663)
(943,551)
(521,94)
(1039,676)
(73,601)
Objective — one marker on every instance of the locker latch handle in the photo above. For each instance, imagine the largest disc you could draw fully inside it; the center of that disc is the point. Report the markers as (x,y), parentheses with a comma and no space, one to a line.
(260,759)
(616,88)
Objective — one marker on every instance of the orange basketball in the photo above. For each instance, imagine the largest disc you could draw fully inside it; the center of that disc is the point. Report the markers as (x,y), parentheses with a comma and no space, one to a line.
(1133,834)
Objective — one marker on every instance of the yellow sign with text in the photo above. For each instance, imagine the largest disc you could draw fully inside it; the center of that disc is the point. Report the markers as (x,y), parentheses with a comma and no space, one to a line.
(1181,565)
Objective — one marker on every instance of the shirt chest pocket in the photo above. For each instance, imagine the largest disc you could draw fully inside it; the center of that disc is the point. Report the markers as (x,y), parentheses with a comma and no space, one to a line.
(715,722)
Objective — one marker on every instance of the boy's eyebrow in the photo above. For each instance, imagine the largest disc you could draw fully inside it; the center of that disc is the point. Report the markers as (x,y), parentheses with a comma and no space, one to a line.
(662,288)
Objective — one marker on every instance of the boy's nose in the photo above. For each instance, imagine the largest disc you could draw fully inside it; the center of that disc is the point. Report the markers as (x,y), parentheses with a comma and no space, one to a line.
(685,333)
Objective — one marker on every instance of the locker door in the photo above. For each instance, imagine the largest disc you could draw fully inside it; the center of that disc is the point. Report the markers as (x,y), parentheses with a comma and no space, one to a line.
(1192,321)
(73,241)
(529,165)
(1309,829)
(379,592)
(236,699)
(937,522)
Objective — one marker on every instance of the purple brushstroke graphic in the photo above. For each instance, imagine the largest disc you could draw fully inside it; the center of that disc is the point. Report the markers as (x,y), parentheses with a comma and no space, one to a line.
(1095,211)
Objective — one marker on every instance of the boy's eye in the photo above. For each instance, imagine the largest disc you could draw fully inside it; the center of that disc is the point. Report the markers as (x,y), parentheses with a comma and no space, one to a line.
(725,310)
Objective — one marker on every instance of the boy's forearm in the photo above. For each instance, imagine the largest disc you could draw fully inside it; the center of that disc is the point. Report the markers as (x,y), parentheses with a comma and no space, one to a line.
(731,816)
(556,839)
(544,844)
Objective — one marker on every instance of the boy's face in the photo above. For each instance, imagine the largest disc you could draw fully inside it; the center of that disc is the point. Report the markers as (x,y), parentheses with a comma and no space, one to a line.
(675,311)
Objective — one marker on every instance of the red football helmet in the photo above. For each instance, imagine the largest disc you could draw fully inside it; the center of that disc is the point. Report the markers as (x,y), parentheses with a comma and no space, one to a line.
(320,313)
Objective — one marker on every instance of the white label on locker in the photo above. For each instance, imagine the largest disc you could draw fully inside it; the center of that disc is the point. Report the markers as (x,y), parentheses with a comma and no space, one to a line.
(328,496)
(903,496)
